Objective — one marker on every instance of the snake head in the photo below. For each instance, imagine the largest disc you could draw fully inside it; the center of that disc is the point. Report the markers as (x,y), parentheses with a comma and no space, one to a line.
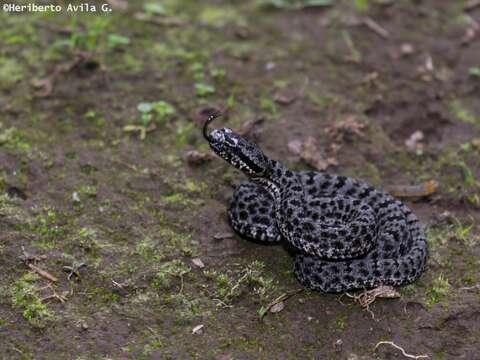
(236,150)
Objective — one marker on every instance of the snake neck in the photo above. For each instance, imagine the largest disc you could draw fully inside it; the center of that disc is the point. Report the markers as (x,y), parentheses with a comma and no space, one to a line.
(280,182)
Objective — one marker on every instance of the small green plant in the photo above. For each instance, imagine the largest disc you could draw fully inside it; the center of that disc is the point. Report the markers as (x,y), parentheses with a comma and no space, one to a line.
(202,89)
(87,239)
(88,190)
(218,73)
(462,113)
(362,5)
(341,322)
(11,72)
(231,101)
(157,111)
(168,271)
(47,227)
(14,138)
(474,71)
(154,9)
(95,118)
(116,41)
(89,38)
(151,113)
(250,280)
(268,105)
(438,291)
(24,297)
(355,55)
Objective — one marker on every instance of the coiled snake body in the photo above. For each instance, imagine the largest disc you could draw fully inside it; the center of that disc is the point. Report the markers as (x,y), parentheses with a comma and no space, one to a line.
(348,235)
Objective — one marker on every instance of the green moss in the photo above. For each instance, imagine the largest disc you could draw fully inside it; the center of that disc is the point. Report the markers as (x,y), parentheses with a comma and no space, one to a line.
(220,16)
(11,71)
(362,5)
(14,138)
(130,63)
(251,279)
(169,271)
(202,89)
(164,50)
(175,198)
(46,226)
(438,291)
(25,298)
(463,114)
(268,105)
(87,239)
(341,322)
(102,294)
(184,133)
(88,191)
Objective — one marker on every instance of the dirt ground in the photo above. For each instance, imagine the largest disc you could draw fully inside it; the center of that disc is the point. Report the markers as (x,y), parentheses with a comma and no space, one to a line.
(99,187)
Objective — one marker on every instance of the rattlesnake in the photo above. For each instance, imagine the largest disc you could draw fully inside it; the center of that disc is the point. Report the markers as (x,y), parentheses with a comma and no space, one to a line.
(347,234)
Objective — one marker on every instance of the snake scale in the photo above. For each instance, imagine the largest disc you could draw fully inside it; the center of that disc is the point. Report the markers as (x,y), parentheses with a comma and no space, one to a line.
(346,234)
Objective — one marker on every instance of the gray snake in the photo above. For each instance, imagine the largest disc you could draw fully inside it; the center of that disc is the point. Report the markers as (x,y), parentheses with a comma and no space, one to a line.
(346,234)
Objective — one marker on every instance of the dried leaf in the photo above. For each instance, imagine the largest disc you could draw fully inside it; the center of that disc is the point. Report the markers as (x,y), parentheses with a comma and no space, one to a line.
(346,130)
(222,236)
(46,86)
(198,263)
(295,146)
(198,330)
(406,49)
(367,297)
(405,191)
(310,153)
(284,99)
(375,27)
(414,142)
(277,307)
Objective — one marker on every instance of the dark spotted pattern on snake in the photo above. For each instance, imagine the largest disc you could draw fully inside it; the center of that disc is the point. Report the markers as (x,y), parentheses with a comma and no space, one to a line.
(347,234)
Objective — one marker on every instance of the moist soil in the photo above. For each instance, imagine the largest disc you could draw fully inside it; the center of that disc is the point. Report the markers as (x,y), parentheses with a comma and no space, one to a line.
(150,223)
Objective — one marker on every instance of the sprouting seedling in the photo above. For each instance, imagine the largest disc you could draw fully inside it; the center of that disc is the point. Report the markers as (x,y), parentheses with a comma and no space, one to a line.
(151,113)
(158,111)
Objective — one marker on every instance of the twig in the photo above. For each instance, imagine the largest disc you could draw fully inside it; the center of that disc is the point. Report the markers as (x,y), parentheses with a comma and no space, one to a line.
(42,273)
(468,288)
(30,258)
(375,27)
(47,83)
(236,285)
(222,303)
(420,190)
(181,284)
(60,298)
(365,298)
(401,349)
(279,299)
